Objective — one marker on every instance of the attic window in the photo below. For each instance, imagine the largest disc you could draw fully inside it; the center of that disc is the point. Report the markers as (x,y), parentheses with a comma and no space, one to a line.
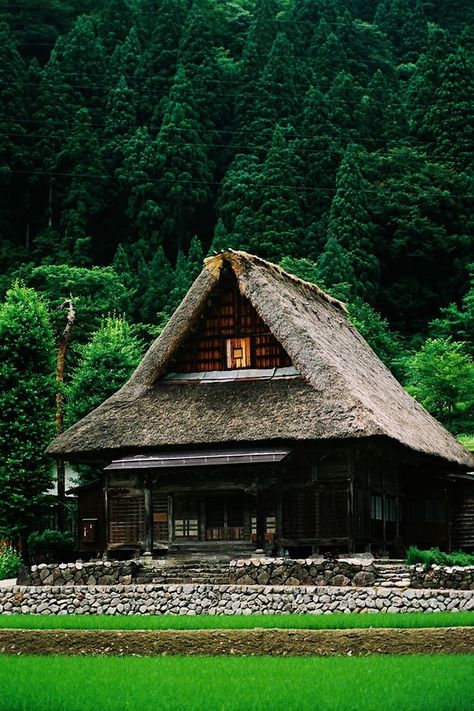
(238,353)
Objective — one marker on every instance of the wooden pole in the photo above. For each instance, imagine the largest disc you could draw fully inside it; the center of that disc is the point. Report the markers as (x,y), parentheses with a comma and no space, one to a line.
(60,368)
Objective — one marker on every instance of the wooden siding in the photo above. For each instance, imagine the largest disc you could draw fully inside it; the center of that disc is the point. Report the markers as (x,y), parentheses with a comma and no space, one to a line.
(229,315)
(127,518)
(463,516)
(316,509)
(91,519)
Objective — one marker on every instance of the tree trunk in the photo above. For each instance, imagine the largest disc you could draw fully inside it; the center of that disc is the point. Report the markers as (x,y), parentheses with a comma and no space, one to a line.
(60,367)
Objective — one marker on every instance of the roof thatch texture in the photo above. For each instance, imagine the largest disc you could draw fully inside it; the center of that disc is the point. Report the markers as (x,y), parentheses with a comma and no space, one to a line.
(345,390)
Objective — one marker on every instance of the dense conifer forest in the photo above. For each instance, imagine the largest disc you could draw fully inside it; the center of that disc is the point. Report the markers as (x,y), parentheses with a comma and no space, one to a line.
(334,137)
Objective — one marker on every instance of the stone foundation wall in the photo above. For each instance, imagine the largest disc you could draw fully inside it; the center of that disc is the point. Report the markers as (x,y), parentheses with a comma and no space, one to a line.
(96,573)
(437,577)
(265,571)
(311,571)
(225,600)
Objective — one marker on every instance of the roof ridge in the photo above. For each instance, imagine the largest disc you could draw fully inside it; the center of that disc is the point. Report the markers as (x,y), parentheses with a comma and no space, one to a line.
(215,262)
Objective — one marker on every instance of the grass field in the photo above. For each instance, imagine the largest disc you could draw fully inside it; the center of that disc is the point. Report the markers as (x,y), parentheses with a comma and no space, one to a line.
(183,622)
(237,684)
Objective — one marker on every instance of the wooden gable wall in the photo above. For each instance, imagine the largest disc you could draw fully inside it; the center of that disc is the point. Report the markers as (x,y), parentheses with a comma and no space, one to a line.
(229,316)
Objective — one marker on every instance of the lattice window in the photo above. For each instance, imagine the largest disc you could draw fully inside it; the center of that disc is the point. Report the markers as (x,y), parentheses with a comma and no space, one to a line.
(126,520)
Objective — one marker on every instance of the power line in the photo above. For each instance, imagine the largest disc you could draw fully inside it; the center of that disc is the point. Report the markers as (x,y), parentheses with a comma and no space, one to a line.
(234,146)
(148,179)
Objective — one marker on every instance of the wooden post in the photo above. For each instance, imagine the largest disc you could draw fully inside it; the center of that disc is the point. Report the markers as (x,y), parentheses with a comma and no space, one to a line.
(148,519)
(261,515)
(279,520)
(170,519)
(106,513)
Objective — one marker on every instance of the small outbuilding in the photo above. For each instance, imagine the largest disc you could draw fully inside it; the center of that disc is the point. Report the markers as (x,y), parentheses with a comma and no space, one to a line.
(260,418)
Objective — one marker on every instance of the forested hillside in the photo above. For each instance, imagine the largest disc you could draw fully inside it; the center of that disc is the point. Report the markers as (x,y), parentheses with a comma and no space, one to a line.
(332,136)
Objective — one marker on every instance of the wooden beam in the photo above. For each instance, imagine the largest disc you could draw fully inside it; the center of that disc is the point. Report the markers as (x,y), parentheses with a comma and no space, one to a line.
(345,541)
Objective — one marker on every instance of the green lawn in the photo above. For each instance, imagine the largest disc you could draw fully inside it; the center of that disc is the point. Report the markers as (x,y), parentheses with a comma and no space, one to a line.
(415,683)
(183,622)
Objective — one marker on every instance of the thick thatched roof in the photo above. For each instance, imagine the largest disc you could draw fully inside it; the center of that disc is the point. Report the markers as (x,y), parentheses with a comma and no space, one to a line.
(344,390)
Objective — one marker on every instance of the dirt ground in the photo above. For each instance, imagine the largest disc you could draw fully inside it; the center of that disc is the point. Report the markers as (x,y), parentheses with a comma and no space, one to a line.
(274,642)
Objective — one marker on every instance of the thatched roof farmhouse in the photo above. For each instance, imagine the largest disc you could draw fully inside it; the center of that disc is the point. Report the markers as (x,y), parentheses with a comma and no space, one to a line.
(256,362)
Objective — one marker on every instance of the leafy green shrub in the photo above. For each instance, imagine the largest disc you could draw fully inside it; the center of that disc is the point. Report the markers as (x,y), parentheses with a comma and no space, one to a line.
(51,546)
(10,560)
(433,556)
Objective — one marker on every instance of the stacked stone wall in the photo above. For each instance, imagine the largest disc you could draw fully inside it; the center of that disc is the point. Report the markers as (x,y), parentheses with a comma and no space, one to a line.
(457,578)
(266,571)
(225,600)
(310,571)
(95,573)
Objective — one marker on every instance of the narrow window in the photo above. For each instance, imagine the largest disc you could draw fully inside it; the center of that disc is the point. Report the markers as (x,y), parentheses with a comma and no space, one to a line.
(238,353)
(376,507)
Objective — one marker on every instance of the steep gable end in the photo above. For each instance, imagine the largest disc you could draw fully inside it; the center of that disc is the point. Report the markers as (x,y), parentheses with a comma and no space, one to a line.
(230,335)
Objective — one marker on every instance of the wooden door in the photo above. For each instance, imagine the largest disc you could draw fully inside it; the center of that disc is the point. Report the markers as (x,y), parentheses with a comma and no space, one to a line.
(225,517)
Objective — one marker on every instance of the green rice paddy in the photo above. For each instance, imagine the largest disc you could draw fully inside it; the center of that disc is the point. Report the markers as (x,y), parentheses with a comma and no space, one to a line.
(415,683)
(198,622)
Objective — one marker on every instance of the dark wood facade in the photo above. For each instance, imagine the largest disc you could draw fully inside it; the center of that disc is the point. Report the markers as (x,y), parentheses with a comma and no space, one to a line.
(348,499)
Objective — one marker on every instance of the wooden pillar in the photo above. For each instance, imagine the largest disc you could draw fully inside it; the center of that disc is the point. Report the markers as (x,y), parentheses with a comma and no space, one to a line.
(170,520)
(106,513)
(279,519)
(350,511)
(148,518)
(260,515)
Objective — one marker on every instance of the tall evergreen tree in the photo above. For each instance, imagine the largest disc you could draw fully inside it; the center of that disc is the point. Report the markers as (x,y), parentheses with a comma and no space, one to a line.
(80,159)
(382,113)
(157,276)
(138,175)
(238,191)
(425,81)
(328,53)
(158,61)
(183,166)
(82,61)
(200,34)
(319,151)
(53,119)
(115,20)
(277,98)
(302,16)
(27,391)
(278,223)
(334,269)
(451,117)
(351,226)
(120,124)
(257,47)
(126,61)
(120,127)
(344,108)
(13,120)
(421,235)
(404,23)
